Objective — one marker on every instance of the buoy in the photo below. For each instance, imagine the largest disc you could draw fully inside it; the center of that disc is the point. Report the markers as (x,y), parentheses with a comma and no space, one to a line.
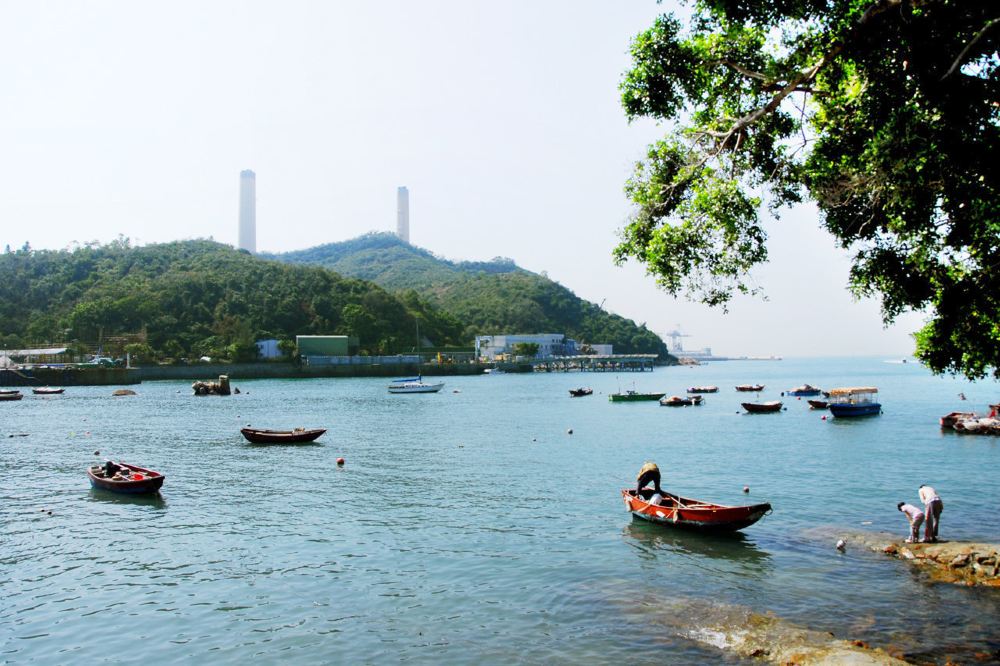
(50,513)
(841,545)
(569,431)
(823,419)
(746,489)
(340,461)
(97,453)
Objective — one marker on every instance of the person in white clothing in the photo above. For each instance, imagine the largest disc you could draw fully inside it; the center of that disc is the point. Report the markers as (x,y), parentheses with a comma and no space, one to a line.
(932,511)
(916,518)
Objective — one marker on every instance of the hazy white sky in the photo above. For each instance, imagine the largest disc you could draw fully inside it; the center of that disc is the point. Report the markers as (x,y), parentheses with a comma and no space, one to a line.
(502,119)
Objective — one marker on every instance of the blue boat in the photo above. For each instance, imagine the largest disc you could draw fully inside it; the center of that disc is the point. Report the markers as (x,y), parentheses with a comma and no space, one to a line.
(855,401)
(805,389)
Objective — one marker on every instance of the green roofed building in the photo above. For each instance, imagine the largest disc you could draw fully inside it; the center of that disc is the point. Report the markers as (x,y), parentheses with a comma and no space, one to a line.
(327,345)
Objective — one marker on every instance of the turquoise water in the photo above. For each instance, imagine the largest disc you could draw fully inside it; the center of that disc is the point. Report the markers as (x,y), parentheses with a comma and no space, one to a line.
(469,526)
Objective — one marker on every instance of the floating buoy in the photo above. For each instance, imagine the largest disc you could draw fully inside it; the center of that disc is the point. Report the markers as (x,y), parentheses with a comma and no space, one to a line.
(50,513)
(841,545)
(340,461)
(97,453)
(569,431)
(823,419)
(746,489)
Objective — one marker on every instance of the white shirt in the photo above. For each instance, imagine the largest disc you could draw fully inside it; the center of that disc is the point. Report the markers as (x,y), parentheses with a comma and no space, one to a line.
(928,495)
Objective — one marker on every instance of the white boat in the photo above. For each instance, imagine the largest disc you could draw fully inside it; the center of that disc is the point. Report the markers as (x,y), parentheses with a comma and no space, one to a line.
(414,385)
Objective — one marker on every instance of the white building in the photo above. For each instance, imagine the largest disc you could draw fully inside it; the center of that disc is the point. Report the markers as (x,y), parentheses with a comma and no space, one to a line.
(403,214)
(603,350)
(549,345)
(248,211)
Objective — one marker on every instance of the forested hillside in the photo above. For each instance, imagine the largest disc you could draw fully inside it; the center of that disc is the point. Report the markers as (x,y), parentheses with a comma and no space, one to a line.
(195,298)
(487,297)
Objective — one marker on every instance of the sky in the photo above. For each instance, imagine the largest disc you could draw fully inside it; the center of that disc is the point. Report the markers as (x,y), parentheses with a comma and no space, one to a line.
(502,119)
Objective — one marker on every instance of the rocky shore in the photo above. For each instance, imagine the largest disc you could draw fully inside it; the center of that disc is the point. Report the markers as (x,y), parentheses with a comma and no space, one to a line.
(957,562)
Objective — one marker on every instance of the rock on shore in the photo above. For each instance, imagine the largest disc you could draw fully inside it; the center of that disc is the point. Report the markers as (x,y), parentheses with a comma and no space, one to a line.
(959,562)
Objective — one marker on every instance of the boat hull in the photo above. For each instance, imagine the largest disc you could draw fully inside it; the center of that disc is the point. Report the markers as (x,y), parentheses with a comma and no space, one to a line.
(761,408)
(151,483)
(47,391)
(636,397)
(579,393)
(256,436)
(866,409)
(750,388)
(818,404)
(416,388)
(802,392)
(694,515)
(10,396)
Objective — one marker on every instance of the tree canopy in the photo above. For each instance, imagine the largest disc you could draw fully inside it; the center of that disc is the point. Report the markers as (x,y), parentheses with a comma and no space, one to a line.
(885,113)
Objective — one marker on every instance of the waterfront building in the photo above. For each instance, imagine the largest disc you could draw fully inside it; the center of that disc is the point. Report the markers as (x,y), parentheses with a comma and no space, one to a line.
(491,347)
(326,345)
(403,214)
(248,211)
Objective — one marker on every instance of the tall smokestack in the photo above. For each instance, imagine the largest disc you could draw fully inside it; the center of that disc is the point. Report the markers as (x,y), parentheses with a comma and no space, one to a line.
(248,211)
(403,213)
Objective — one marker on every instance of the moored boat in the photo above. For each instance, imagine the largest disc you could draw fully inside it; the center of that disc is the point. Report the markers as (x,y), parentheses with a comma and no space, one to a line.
(805,389)
(678,401)
(10,395)
(634,396)
(949,420)
(296,436)
(855,401)
(818,404)
(703,389)
(125,478)
(762,407)
(750,388)
(580,392)
(47,390)
(414,385)
(692,514)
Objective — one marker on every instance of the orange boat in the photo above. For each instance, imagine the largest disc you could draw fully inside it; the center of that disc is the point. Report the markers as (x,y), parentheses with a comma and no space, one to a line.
(692,514)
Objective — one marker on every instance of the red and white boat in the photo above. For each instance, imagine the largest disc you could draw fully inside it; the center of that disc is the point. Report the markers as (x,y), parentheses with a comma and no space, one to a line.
(692,514)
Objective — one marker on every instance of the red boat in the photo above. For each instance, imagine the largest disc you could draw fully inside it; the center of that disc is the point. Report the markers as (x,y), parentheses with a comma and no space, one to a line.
(297,436)
(692,514)
(131,479)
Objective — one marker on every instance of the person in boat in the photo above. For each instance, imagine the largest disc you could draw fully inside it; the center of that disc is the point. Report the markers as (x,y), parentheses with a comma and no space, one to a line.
(932,511)
(916,518)
(649,473)
(110,469)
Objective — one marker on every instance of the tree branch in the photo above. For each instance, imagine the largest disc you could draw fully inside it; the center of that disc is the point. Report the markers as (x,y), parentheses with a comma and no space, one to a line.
(961,56)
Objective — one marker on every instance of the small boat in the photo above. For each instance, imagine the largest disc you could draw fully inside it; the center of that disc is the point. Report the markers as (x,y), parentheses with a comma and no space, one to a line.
(750,388)
(47,390)
(855,401)
(703,389)
(692,514)
(762,407)
(414,385)
(10,395)
(678,401)
(949,420)
(818,404)
(580,392)
(297,436)
(130,479)
(805,389)
(634,396)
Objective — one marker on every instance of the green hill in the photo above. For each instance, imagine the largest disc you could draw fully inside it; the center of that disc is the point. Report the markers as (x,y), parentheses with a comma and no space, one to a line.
(492,297)
(194,298)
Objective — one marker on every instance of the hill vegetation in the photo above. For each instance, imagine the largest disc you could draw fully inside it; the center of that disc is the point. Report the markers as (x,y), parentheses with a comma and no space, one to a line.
(200,298)
(492,297)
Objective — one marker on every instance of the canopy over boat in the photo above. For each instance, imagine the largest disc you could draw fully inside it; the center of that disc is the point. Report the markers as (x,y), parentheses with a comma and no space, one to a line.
(852,390)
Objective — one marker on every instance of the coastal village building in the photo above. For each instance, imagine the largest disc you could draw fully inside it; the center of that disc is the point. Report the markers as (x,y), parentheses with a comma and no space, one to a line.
(490,347)
(326,345)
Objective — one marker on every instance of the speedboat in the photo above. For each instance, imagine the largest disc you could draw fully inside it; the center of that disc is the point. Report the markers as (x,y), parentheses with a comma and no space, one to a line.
(805,389)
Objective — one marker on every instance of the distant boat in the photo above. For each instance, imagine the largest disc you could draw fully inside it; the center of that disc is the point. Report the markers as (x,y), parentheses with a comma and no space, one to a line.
(134,481)
(414,385)
(762,407)
(297,436)
(703,389)
(692,514)
(46,390)
(949,420)
(10,395)
(855,401)
(634,396)
(678,401)
(580,392)
(805,389)
(818,404)
(750,388)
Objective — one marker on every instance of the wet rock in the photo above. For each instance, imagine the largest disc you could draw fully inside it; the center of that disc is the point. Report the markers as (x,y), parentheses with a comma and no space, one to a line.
(959,561)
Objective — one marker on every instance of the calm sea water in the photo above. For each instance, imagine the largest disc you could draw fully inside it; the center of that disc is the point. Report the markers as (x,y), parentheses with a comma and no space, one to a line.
(469,526)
